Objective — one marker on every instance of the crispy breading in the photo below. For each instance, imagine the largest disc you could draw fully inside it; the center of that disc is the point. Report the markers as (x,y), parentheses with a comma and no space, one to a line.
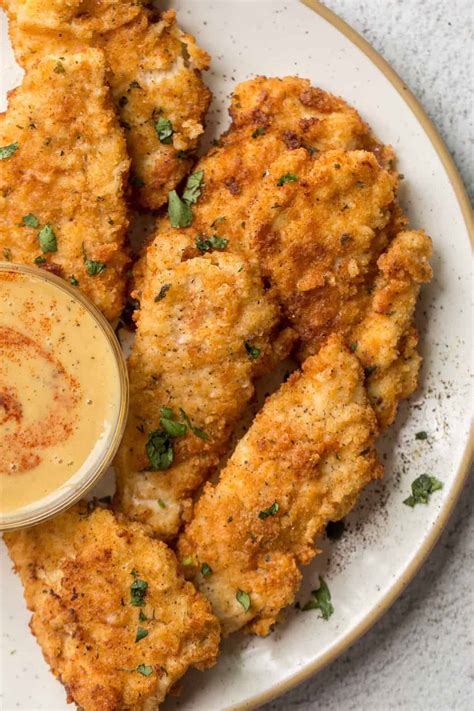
(303,462)
(196,322)
(155,72)
(68,171)
(78,572)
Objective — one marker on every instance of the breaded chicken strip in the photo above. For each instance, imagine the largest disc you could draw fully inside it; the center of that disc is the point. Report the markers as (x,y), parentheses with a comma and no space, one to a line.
(115,620)
(62,174)
(155,76)
(320,239)
(271,118)
(305,459)
(205,330)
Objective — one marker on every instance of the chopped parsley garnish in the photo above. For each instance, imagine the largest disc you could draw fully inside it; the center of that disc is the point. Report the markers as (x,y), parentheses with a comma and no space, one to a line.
(353,347)
(287,178)
(259,132)
(40,260)
(206,244)
(271,511)
(421,490)
(206,570)
(142,617)
(162,292)
(321,600)
(218,220)
(92,266)
(8,151)
(195,430)
(169,424)
(421,435)
(47,239)
(134,573)
(179,212)
(30,220)
(137,592)
(141,634)
(161,504)
(159,450)
(74,281)
(145,669)
(253,351)
(369,370)
(187,561)
(335,529)
(164,129)
(192,191)
(244,599)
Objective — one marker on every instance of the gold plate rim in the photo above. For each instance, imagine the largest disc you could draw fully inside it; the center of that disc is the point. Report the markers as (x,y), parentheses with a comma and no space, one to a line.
(461,195)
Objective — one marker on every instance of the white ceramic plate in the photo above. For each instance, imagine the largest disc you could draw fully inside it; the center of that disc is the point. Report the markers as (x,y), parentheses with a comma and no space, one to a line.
(386,541)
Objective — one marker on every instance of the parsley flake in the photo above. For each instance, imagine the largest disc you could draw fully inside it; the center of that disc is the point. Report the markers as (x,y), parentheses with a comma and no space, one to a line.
(421,435)
(287,178)
(40,260)
(421,490)
(164,129)
(142,617)
(179,212)
(47,239)
(206,244)
(253,351)
(161,504)
(259,132)
(8,151)
(30,220)
(206,570)
(195,430)
(192,191)
(141,634)
(187,561)
(171,427)
(145,669)
(74,281)
(244,599)
(92,266)
(271,511)
(321,600)
(159,450)
(137,592)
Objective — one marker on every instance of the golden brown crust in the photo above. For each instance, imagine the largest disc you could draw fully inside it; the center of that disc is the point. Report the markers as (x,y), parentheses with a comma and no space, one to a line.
(310,450)
(68,171)
(77,571)
(155,71)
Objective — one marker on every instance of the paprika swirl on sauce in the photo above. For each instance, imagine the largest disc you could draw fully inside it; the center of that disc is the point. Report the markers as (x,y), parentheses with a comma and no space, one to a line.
(59,389)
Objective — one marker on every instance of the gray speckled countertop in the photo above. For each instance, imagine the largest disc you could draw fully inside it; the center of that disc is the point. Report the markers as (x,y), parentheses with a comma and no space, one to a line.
(419,657)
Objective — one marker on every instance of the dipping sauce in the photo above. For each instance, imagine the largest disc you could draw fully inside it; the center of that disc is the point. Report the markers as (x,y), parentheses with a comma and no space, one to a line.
(61,390)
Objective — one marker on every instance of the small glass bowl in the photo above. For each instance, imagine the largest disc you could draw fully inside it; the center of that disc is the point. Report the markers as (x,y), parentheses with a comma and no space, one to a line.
(68,493)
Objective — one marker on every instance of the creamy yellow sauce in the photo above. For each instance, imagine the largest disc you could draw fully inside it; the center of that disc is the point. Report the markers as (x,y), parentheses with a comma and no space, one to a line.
(59,389)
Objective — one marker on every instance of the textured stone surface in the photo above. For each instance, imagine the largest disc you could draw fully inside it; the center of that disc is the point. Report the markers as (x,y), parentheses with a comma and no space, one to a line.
(419,657)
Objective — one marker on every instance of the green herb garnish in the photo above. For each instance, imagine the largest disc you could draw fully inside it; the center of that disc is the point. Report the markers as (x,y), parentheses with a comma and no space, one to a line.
(206,244)
(141,634)
(159,450)
(47,239)
(259,131)
(421,435)
(244,599)
(179,212)
(287,178)
(206,570)
(192,191)
(30,220)
(164,129)
(74,281)
(142,617)
(40,260)
(92,266)
(252,351)
(271,511)
(161,504)
(369,370)
(421,490)
(162,292)
(7,151)
(137,592)
(171,427)
(321,600)
(195,430)
(353,347)
(145,669)
(187,561)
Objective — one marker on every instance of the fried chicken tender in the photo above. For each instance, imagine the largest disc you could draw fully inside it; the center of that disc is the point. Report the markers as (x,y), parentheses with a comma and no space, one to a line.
(320,239)
(303,462)
(62,182)
(205,330)
(115,620)
(155,76)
